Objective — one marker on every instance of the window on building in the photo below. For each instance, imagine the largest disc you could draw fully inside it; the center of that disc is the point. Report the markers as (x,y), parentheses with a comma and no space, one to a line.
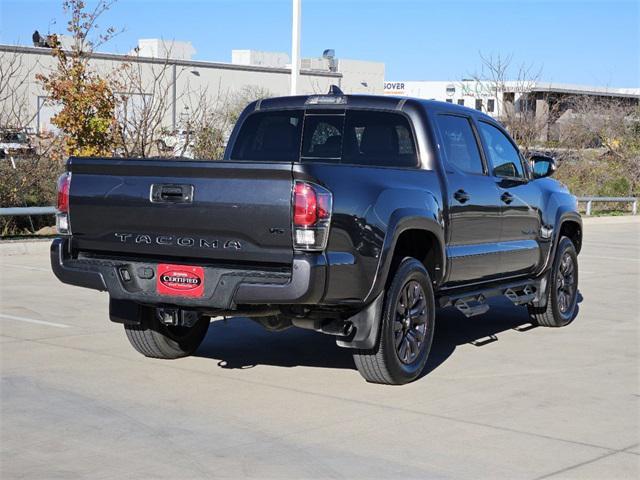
(504,158)
(478,104)
(460,145)
(449,100)
(491,105)
(461,101)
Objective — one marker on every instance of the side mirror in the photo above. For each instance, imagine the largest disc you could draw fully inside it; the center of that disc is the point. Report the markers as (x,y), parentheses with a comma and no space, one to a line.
(542,166)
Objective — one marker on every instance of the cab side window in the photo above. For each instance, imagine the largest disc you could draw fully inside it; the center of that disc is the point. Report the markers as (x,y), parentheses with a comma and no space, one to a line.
(459,142)
(504,158)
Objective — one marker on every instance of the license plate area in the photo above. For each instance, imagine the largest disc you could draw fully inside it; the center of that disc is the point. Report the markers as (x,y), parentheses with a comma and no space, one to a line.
(179,280)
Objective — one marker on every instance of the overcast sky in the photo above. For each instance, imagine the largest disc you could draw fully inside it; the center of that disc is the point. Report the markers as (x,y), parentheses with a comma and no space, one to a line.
(588,42)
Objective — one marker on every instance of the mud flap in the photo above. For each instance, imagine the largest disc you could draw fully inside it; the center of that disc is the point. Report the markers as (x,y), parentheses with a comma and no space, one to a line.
(367,325)
(542,294)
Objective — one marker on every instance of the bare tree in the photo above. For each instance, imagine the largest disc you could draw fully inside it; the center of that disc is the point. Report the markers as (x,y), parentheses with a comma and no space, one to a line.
(148,95)
(14,78)
(213,116)
(144,94)
(511,86)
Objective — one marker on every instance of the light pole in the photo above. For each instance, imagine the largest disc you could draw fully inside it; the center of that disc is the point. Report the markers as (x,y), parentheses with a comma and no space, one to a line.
(295,45)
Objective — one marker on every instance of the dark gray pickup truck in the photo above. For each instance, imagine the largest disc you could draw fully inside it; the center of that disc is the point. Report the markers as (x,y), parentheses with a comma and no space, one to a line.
(356,216)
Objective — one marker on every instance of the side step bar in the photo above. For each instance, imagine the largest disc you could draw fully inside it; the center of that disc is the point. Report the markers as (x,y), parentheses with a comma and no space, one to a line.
(521,296)
(472,306)
(473,302)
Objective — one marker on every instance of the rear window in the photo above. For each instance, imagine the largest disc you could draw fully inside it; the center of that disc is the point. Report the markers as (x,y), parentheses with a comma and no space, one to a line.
(378,138)
(356,137)
(269,137)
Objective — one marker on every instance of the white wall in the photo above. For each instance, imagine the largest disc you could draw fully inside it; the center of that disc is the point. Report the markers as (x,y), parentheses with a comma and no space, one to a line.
(360,76)
(453,91)
(260,58)
(220,79)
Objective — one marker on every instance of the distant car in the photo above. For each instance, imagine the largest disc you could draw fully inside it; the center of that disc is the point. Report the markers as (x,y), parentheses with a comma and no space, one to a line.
(351,215)
(15,144)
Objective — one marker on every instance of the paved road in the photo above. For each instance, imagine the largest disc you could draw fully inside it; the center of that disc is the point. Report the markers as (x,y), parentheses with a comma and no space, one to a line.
(77,401)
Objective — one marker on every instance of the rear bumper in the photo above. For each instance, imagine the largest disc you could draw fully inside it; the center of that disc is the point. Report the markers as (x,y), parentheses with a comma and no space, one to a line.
(225,288)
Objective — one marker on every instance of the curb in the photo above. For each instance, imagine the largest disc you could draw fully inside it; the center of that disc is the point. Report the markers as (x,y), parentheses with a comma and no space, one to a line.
(24,247)
(611,219)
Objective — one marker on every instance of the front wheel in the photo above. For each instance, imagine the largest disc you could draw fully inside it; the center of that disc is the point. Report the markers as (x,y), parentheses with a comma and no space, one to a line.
(153,339)
(562,296)
(406,329)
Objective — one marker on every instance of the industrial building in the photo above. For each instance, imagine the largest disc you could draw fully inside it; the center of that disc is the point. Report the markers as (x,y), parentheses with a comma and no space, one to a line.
(270,71)
(498,99)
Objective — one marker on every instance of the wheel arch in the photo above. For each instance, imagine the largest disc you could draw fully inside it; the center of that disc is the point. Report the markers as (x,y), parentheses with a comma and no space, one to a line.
(567,223)
(571,229)
(416,233)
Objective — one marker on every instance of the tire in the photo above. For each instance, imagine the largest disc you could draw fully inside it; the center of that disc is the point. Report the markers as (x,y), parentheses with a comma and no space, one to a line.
(562,297)
(156,340)
(387,363)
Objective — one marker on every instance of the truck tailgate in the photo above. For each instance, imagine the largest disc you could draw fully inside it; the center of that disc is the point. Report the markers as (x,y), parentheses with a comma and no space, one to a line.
(228,211)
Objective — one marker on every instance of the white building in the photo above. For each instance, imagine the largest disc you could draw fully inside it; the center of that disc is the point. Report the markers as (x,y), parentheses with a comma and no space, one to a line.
(549,103)
(485,96)
(159,48)
(259,58)
(268,70)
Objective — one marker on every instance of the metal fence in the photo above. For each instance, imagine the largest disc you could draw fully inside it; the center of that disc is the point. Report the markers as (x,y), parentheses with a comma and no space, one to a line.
(589,201)
(18,211)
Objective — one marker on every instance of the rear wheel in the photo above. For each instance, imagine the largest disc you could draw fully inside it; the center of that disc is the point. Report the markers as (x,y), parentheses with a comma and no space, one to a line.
(406,329)
(562,296)
(154,339)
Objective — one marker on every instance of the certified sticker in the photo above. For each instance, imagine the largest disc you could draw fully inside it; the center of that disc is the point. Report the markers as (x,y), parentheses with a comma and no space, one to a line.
(180,280)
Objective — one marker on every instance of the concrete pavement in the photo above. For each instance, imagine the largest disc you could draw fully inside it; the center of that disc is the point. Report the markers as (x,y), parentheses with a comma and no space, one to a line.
(521,403)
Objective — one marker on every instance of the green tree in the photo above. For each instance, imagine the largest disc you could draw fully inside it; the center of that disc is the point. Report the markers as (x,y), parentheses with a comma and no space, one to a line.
(87,114)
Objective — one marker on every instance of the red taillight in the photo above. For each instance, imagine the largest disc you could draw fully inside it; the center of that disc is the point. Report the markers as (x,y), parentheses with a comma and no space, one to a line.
(305,205)
(324,206)
(64,182)
(312,206)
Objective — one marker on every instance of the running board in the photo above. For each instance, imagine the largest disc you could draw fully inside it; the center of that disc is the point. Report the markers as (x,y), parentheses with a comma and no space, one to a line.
(472,306)
(521,296)
(473,302)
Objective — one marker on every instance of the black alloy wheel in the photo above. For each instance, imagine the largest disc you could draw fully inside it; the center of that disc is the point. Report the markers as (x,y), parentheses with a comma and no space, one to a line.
(410,324)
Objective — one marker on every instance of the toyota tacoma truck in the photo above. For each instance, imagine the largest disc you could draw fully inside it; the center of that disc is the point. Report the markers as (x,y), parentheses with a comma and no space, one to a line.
(356,216)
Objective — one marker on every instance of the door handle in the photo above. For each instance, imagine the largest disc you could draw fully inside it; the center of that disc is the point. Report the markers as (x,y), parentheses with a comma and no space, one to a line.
(506,197)
(171,193)
(461,196)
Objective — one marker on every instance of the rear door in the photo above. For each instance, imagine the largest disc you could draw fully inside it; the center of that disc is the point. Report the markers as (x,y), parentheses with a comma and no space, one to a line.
(474,204)
(237,211)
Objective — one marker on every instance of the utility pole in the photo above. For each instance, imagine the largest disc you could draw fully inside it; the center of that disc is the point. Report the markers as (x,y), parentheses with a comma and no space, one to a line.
(295,46)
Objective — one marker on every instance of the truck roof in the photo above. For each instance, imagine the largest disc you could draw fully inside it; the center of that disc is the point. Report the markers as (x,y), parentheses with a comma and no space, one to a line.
(377,102)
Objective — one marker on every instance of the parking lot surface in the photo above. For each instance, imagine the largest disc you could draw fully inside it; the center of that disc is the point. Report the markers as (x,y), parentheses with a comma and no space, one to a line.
(499,399)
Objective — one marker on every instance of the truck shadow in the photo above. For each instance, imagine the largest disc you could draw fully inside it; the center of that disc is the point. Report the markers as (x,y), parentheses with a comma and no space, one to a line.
(239,343)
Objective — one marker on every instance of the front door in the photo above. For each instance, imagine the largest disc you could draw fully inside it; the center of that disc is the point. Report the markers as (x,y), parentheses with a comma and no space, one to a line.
(474,204)
(520,199)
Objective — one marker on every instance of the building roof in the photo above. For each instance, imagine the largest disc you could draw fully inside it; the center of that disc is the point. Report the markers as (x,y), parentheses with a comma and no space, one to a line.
(585,89)
(156,60)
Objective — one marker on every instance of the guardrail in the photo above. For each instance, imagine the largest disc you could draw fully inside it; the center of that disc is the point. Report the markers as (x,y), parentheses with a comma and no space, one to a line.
(590,200)
(18,211)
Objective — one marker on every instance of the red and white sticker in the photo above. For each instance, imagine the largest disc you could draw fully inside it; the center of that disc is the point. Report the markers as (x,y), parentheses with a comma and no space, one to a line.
(180,280)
